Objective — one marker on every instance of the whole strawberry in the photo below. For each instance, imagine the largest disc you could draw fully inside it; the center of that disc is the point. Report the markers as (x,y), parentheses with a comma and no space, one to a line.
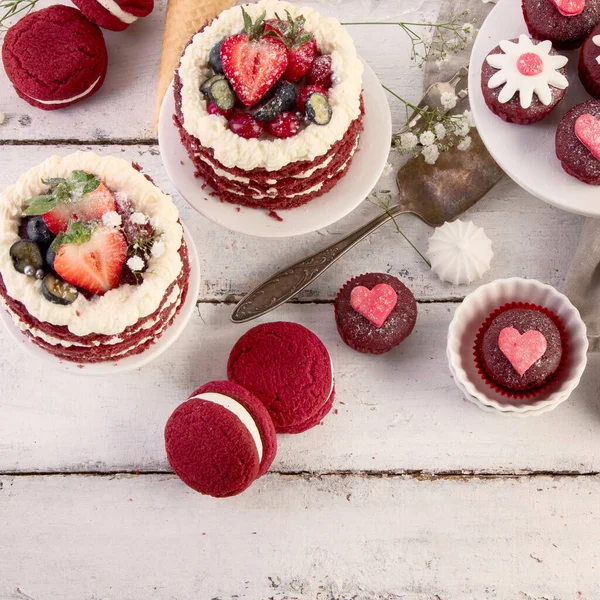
(301,45)
(253,62)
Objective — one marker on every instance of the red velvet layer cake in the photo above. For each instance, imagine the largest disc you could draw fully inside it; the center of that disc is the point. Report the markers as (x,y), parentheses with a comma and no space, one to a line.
(271,117)
(93,264)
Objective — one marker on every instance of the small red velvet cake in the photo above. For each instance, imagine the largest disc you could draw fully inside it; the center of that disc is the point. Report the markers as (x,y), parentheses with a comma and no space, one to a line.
(93,263)
(589,63)
(520,348)
(375,312)
(115,15)
(220,440)
(55,57)
(289,370)
(522,81)
(578,142)
(281,129)
(566,23)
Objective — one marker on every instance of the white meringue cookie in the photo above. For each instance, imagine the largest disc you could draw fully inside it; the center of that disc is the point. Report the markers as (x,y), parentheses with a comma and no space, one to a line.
(459,252)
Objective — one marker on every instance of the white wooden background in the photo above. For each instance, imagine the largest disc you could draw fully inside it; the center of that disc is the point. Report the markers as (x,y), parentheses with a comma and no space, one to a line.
(406,491)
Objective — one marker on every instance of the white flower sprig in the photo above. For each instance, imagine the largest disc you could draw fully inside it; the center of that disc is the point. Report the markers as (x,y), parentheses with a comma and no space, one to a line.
(434,41)
(439,131)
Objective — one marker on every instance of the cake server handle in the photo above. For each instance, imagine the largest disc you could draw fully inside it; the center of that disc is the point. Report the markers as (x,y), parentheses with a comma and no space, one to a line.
(290,281)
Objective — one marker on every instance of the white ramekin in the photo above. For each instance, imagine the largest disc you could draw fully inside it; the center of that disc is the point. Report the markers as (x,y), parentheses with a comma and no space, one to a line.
(471,314)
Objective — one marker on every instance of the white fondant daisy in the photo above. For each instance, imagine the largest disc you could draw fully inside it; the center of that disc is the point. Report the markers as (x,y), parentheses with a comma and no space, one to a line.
(596,40)
(527,68)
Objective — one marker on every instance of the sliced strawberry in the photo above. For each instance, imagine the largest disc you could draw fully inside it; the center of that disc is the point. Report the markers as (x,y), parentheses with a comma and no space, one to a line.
(95,263)
(88,208)
(253,63)
(253,66)
(305,92)
(320,72)
(300,60)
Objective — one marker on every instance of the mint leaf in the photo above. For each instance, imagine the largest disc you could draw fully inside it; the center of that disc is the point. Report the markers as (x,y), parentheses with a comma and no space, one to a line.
(40,205)
(81,183)
(79,233)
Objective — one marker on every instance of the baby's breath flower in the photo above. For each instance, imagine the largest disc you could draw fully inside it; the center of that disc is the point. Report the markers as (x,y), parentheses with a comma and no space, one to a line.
(427,138)
(464,144)
(408,142)
(138,218)
(440,131)
(462,127)
(431,154)
(448,100)
(469,116)
(111,219)
(387,170)
(135,263)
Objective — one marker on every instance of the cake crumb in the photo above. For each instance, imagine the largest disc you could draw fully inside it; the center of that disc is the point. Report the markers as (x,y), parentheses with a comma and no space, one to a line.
(275,216)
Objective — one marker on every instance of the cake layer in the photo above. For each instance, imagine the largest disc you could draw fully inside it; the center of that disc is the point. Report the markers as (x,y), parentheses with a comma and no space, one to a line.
(291,186)
(135,339)
(312,142)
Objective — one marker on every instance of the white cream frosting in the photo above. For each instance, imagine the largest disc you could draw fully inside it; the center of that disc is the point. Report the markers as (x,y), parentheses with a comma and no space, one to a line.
(459,252)
(83,94)
(119,308)
(515,81)
(234,407)
(234,151)
(116,11)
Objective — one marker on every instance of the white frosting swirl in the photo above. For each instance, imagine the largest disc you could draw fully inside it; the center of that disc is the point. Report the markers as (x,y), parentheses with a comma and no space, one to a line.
(232,150)
(119,308)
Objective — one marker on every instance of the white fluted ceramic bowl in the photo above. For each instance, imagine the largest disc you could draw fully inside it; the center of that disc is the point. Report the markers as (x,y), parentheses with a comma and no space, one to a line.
(469,317)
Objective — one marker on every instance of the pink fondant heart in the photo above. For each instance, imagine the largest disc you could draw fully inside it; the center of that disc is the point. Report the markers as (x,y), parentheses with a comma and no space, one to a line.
(522,351)
(569,8)
(587,129)
(376,304)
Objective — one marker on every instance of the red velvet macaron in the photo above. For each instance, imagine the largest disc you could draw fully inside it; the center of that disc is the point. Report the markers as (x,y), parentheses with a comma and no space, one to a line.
(289,370)
(220,440)
(115,15)
(55,57)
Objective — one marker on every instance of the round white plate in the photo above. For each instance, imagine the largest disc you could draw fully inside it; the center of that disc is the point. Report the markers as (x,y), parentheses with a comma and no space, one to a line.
(128,363)
(348,193)
(526,152)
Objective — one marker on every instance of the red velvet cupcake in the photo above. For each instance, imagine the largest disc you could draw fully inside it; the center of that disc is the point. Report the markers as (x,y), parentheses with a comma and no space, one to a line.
(522,81)
(566,23)
(375,312)
(578,142)
(520,349)
(220,440)
(114,15)
(589,63)
(289,370)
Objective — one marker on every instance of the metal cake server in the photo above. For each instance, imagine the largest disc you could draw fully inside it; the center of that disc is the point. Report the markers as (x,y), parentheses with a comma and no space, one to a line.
(435,194)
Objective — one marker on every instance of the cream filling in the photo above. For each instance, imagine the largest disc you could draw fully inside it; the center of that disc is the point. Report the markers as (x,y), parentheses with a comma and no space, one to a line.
(272,192)
(54,102)
(240,412)
(233,151)
(174,299)
(119,308)
(116,11)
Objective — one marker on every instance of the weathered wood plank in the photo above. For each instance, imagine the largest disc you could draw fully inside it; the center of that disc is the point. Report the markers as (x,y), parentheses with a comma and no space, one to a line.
(292,538)
(531,238)
(124,107)
(396,412)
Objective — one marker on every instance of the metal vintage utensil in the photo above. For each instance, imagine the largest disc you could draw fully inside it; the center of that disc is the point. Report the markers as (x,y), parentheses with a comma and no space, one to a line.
(435,194)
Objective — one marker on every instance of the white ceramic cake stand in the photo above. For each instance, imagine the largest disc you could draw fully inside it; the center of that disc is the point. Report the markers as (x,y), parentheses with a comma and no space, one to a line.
(129,363)
(527,152)
(348,193)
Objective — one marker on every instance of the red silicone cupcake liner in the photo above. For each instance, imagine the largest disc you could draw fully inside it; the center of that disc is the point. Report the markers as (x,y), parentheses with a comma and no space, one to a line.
(525,394)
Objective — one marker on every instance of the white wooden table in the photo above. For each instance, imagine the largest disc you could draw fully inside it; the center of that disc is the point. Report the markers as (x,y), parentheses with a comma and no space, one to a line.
(406,491)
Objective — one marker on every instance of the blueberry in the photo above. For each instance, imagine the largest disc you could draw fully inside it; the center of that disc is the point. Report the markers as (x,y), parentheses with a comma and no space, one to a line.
(50,256)
(24,254)
(37,232)
(214,58)
(318,109)
(280,98)
(57,291)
